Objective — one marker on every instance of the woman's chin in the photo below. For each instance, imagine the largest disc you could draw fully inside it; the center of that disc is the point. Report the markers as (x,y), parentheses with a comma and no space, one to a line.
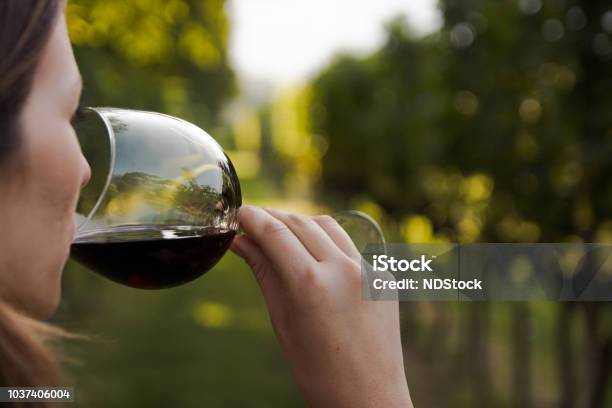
(45,306)
(37,307)
(52,305)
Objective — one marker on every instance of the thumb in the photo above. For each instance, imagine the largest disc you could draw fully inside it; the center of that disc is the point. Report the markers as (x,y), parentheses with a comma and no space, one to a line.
(248,250)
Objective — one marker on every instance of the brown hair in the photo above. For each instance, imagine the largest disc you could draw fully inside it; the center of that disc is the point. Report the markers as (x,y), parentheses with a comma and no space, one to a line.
(25,26)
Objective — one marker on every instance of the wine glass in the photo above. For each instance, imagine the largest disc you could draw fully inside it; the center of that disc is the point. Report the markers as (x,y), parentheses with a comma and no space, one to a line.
(161,207)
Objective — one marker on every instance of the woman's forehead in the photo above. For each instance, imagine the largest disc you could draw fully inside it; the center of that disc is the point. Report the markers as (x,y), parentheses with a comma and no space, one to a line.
(57,66)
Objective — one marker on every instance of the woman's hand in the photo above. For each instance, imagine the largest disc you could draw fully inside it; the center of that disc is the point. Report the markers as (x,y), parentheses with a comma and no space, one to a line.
(344,351)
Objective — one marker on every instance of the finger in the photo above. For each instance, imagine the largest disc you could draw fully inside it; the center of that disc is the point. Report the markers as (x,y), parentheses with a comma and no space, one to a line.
(277,242)
(245,248)
(312,236)
(338,235)
(268,279)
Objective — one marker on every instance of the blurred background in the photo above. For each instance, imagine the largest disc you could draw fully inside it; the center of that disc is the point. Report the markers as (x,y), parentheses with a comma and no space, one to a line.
(447,121)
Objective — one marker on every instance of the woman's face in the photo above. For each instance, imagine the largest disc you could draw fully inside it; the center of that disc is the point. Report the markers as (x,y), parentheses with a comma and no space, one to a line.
(41,183)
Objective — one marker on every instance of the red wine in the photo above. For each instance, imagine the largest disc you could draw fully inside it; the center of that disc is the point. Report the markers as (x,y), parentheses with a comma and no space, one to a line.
(152,256)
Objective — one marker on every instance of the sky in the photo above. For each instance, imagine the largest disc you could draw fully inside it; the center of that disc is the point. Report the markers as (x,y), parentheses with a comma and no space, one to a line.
(284,41)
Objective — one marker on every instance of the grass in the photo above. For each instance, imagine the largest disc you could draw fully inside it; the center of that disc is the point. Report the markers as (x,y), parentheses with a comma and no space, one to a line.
(207,343)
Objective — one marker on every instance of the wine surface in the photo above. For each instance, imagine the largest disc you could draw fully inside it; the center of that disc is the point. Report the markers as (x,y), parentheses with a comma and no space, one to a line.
(152,256)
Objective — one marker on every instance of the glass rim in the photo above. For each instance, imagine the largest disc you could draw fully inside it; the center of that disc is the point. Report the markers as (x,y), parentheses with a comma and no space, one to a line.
(110,133)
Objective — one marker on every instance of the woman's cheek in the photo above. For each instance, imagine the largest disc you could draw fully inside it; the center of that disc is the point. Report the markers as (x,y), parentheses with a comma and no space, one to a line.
(59,175)
(70,179)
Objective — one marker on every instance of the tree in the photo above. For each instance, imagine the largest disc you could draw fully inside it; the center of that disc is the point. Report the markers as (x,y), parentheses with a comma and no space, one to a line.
(494,129)
(123,47)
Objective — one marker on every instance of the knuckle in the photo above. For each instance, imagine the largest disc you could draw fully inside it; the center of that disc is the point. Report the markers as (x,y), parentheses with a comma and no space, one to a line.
(271,227)
(310,277)
(349,263)
(296,219)
(350,268)
(256,265)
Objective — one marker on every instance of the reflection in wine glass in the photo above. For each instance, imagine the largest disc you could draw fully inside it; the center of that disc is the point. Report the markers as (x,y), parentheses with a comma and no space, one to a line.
(149,168)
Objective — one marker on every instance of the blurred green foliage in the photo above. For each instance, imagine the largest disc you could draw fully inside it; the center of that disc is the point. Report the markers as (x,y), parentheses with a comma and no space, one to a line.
(495,128)
(168,56)
(488,128)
